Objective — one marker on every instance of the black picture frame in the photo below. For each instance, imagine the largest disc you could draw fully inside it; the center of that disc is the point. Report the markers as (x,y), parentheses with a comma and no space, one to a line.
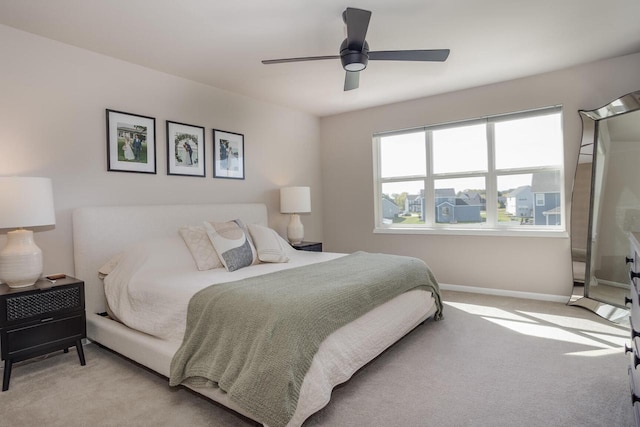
(228,154)
(131,142)
(185,149)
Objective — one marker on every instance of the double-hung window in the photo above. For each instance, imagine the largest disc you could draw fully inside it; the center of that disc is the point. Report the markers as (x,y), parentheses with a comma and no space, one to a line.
(498,173)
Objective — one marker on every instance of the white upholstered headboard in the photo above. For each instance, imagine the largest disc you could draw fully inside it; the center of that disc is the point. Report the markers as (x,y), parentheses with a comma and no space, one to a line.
(102,232)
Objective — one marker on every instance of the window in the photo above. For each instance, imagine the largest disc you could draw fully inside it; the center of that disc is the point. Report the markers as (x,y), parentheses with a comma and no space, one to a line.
(496,173)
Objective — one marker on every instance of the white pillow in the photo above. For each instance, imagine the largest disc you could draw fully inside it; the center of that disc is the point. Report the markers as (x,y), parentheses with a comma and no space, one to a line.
(108,266)
(200,246)
(233,244)
(269,244)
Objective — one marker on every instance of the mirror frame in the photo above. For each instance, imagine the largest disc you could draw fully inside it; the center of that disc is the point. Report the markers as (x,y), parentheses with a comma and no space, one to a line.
(590,131)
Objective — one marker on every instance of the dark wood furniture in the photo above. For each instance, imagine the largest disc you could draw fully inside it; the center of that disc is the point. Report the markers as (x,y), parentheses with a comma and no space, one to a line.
(634,323)
(308,246)
(40,319)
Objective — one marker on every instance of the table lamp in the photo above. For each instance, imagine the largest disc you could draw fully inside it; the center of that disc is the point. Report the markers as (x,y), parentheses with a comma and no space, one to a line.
(24,202)
(295,200)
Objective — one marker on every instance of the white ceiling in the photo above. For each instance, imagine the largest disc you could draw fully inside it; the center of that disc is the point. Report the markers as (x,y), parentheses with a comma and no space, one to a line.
(221,42)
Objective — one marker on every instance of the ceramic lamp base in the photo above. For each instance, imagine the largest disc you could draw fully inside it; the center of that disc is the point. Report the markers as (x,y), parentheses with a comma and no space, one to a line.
(295,230)
(20,260)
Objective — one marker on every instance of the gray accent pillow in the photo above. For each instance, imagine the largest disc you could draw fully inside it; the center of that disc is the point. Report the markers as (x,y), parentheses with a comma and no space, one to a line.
(232,243)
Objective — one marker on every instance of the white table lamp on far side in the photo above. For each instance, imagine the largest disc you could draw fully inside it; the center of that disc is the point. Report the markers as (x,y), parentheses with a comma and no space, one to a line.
(24,202)
(295,200)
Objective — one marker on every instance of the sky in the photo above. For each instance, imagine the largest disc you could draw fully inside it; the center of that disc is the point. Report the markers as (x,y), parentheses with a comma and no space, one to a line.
(521,143)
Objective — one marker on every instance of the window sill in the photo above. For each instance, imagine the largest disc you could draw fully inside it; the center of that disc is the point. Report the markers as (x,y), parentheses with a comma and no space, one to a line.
(494,232)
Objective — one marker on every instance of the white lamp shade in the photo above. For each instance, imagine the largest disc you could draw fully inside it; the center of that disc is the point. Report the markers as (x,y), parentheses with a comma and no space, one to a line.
(26,202)
(295,200)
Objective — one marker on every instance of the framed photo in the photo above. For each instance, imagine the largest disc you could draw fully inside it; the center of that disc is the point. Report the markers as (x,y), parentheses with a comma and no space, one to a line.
(228,154)
(185,149)
(131,142)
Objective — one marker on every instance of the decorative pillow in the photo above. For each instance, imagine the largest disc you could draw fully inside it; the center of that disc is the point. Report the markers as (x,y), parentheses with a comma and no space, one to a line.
(202,251)
(108,266)
(269,244)
(233,243)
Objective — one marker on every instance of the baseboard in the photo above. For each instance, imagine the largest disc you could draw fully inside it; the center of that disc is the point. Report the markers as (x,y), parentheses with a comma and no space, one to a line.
(505,293)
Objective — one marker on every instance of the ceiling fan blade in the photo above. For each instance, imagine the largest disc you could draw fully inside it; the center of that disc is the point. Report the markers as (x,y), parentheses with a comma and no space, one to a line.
(351,80)
(357,21)
(409,55)
(304,58)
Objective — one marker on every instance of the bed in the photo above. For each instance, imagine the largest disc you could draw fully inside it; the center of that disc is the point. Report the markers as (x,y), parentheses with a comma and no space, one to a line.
(100,233)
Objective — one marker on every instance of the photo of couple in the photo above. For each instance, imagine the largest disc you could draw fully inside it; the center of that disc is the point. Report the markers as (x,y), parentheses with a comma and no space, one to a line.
(228,154)
(132,143)
(186,150)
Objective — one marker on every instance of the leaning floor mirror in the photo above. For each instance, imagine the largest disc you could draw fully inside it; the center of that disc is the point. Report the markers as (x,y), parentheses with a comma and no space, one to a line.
(606,205)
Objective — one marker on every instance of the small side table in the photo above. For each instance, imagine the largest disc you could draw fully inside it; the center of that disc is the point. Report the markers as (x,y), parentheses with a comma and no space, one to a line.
(308,246)
(40,319)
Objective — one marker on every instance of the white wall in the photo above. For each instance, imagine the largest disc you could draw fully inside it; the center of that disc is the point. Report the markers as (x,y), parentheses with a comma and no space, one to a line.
(539,265)
(52,123)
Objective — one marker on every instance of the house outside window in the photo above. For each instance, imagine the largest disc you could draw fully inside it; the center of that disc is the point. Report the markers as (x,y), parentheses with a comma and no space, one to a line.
(495,174)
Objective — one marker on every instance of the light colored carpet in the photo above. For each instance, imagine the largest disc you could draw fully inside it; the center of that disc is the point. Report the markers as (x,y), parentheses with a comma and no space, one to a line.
(492,361)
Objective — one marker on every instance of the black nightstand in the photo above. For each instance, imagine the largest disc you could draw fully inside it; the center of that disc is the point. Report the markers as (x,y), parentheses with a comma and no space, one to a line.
(40,319)
(308,246)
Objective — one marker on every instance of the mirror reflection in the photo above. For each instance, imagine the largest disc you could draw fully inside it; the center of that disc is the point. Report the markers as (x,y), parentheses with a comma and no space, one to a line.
(606,200)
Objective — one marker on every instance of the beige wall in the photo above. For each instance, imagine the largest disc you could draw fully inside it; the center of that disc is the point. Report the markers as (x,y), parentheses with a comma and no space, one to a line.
(52,123)
(538,265)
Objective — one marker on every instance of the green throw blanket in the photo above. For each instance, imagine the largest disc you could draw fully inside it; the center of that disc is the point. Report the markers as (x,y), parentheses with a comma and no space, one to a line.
(256,338)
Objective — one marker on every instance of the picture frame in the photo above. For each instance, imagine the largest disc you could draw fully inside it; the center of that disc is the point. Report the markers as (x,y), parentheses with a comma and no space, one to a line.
(228,154)
(185,149)
(131,142)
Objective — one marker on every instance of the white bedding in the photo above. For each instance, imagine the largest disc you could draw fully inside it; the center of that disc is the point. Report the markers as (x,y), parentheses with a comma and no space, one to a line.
(102,232)
(151,286)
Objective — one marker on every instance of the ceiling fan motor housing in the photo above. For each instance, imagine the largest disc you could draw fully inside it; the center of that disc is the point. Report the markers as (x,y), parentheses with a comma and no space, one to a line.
(354,60)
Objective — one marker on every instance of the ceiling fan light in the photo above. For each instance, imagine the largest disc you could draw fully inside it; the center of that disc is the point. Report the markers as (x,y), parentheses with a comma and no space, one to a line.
(354,61)
(355,66)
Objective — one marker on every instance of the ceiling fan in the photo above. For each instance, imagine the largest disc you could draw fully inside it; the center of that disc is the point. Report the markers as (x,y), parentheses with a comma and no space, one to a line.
(355,54)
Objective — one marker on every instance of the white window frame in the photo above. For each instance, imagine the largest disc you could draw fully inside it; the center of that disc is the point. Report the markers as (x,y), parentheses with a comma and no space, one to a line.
(491,226)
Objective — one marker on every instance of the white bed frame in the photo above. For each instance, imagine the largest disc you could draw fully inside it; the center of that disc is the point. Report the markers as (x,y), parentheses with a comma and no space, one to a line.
(102,232)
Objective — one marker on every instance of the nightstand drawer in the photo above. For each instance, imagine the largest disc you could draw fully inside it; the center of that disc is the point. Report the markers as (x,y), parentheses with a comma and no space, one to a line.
(41,336)
(24,306)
